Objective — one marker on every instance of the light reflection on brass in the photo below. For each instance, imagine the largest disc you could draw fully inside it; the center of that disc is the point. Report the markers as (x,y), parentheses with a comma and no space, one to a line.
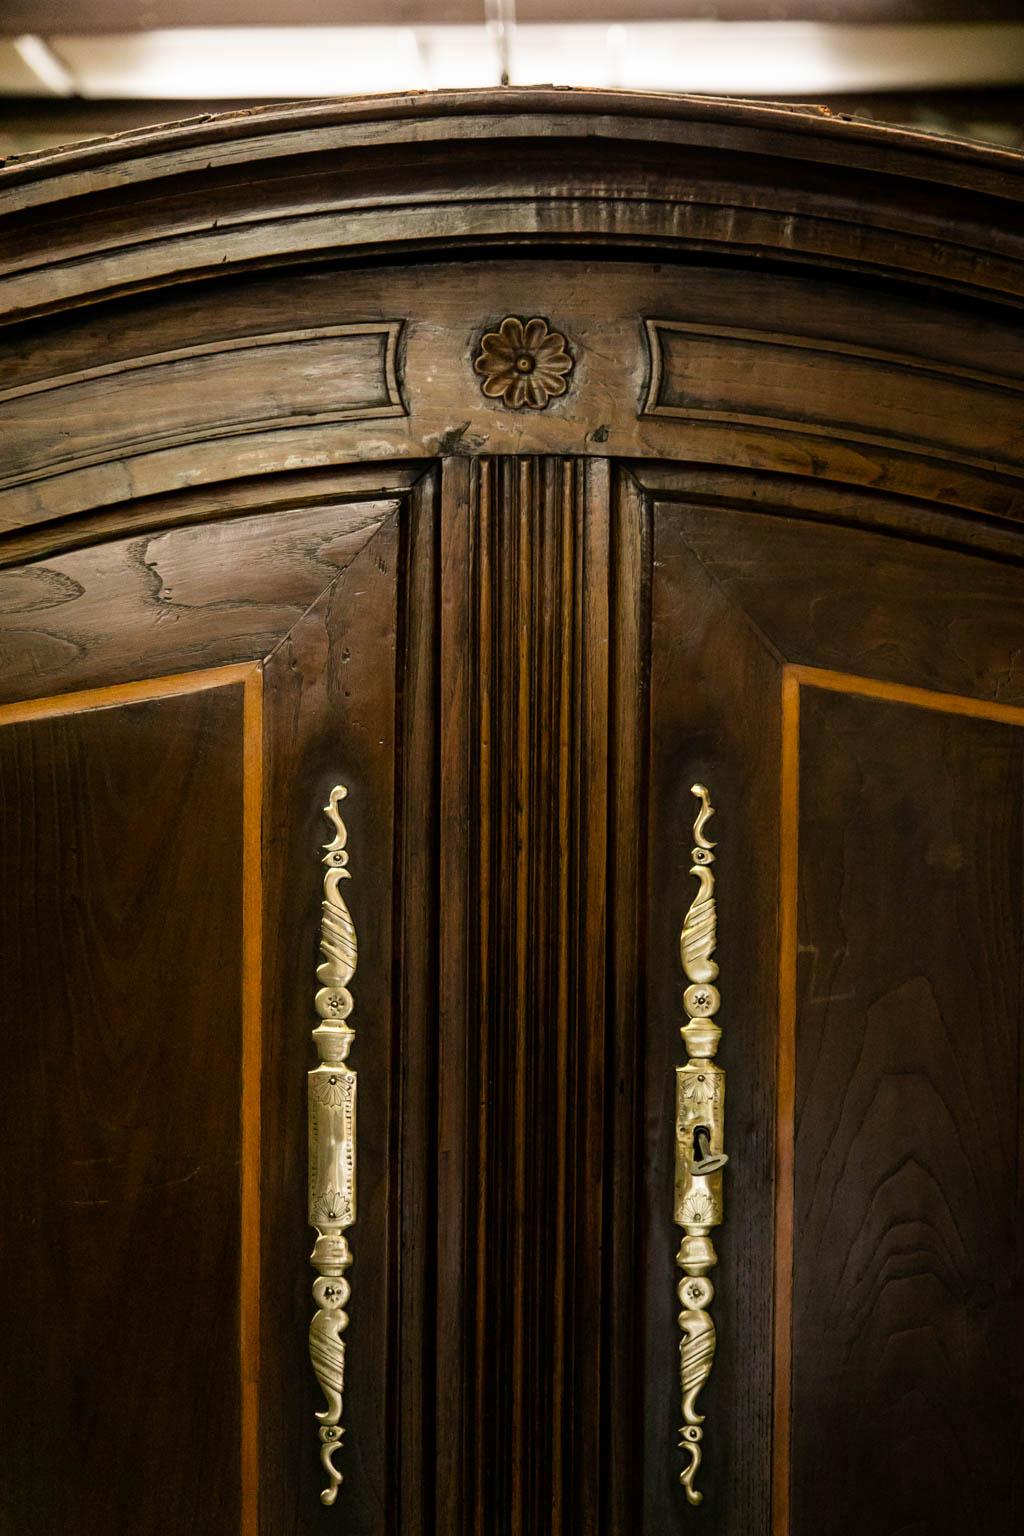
(332,1144)
(699,1130)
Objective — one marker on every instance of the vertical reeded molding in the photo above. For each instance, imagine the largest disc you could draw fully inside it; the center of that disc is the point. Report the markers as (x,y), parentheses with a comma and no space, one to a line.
(699,1133)
(332,1144)
(526,1090)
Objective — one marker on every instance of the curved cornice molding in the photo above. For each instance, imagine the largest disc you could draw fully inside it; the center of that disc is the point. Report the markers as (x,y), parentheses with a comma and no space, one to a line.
(382,175)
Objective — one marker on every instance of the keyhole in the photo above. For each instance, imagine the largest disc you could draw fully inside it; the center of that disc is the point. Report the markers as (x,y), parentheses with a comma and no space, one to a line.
(704,1160)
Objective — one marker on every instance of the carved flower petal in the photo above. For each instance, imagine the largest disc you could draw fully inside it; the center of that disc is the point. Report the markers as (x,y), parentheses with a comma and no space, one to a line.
(495,352)
(536,394)
(560,362)
(549,345)
(496,383)
(534,334)
(511,330)
(555,385)
(519,391)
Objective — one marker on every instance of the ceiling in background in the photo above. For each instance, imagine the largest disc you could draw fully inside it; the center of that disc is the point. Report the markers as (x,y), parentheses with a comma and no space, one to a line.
(58,56)
(782,58)
(55,16)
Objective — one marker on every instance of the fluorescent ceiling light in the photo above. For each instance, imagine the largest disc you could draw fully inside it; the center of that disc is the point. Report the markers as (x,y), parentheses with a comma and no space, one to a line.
(770,58)
(44,65)
(718,58)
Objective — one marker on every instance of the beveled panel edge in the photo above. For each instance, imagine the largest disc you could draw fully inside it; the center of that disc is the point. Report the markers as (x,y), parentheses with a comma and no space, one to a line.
(391,328)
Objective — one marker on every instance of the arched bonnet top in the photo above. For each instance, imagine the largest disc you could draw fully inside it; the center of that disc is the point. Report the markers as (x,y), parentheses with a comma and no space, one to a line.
(427,172)
(765,291)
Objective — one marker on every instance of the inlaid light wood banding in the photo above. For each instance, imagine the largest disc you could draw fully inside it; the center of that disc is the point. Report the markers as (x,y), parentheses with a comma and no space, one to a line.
(251,1071)
(118,694)
(789,823)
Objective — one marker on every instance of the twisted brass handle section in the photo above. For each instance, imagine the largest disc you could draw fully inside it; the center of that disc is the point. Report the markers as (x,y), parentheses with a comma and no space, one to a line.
(700,1125)
(332,1144)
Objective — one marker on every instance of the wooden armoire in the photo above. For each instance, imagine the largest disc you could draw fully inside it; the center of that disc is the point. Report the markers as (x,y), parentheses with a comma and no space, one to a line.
(531,584)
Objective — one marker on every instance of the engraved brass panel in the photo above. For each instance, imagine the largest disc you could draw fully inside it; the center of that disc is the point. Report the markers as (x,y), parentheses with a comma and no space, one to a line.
(332,1144)
(700,1136)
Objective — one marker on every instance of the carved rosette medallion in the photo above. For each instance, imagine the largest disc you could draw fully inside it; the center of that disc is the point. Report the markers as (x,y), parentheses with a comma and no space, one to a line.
(524,363)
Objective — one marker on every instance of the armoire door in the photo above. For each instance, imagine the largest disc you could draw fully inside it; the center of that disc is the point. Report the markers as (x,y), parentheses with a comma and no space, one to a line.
(853,703)
(178,709)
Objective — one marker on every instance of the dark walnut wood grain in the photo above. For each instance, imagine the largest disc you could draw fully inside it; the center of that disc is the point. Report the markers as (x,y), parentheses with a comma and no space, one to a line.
(858,601)
(897,1269)
(240,423)
(120,946)
(907,1347)
(171,601)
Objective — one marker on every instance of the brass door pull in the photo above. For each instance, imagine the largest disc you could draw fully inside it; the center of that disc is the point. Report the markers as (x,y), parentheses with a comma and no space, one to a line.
(700,1158)
(332,1144)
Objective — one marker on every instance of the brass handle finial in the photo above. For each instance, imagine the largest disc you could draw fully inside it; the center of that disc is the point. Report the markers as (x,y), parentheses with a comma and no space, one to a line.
(332,1143)
(700,1158)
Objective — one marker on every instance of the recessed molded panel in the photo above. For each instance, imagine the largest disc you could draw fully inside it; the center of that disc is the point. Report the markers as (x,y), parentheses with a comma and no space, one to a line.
(318,375)
(827,387)
(907,1353)
(120,948)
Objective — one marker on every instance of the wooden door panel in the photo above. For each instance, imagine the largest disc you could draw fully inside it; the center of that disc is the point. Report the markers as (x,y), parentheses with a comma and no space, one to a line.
(176,599)
(714,717)
(121,951)
(907,1355)
(875,837)
(330,713)
(855,601)
(160,869)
